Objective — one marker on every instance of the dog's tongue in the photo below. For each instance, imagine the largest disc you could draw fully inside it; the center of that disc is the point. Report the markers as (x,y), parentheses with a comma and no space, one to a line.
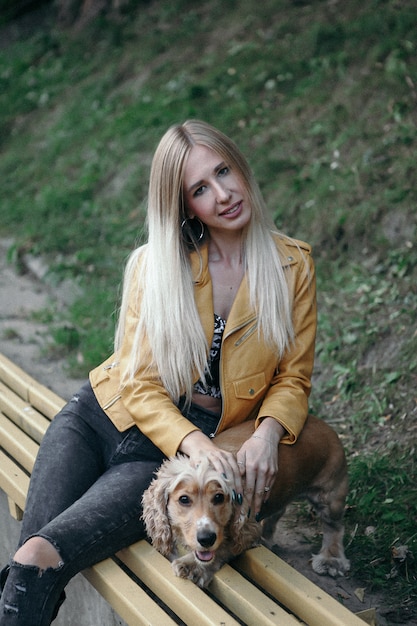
(205,556)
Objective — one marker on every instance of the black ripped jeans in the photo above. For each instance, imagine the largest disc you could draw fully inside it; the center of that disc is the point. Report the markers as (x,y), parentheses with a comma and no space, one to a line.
(84,498)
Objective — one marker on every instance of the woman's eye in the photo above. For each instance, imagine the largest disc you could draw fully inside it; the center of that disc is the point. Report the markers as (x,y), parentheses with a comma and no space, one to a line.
(224,171)
(199,191)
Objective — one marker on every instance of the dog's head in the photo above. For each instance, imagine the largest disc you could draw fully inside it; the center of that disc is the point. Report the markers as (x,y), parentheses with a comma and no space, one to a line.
(189,508)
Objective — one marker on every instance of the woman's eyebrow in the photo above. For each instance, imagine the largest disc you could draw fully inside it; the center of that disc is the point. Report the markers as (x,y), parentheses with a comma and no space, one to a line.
(198,183)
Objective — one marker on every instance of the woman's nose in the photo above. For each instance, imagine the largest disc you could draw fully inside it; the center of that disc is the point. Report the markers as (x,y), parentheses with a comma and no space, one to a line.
(222,193)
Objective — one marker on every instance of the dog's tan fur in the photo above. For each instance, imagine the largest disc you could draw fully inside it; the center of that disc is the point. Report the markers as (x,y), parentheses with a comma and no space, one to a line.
(191,510)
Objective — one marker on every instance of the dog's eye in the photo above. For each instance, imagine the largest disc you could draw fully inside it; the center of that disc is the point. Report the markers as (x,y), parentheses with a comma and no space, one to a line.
(184,500)
(218,498)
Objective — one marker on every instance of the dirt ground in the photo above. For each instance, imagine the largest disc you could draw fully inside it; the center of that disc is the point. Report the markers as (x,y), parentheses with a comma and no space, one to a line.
(23,339)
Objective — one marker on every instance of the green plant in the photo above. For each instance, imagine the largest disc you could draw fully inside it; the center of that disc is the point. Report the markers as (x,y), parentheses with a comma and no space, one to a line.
(381,522)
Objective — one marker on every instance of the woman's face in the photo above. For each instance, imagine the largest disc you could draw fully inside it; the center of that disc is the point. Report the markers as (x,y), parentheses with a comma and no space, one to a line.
(214,193)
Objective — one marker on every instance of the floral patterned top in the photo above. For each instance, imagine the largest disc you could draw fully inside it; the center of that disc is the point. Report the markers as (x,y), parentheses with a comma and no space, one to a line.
(212,386)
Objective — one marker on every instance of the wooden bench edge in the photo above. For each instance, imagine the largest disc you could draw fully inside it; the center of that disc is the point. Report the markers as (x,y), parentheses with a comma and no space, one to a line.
(305,599)
(38,395)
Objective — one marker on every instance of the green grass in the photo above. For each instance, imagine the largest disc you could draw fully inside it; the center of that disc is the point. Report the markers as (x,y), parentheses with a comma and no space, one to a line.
(381,525)
(322,98)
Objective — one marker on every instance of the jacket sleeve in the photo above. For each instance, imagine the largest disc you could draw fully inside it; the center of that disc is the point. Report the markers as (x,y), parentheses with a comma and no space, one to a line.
(287,397)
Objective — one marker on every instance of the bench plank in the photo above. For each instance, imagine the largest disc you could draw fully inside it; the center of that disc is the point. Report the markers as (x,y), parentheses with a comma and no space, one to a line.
(130,601)
(14,377)
(13,481)
(250,604)
(16,443)
(45,401)
(302,597)
(36,394)
(22,413)
(14,510)
(184,598)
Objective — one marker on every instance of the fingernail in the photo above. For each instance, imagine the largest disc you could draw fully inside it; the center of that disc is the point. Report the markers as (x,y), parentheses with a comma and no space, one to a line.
(224,476)
(249,512)
(233,495)
(258,517)
(239,498)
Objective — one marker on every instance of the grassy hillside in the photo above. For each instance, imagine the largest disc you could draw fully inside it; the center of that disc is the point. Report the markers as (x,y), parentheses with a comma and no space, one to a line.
(322,97)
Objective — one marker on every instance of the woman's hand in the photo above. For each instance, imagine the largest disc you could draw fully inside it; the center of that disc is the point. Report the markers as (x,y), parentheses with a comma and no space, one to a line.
(258,461)
(198,446)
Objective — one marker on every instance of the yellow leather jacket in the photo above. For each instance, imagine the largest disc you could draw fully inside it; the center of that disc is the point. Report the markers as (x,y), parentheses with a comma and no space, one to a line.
(254,382)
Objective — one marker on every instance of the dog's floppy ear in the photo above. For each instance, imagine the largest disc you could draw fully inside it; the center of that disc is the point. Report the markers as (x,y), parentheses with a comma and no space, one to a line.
(155,514)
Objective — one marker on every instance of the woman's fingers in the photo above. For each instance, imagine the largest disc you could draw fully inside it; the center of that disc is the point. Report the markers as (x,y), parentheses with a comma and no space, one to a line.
(230,469)
(258,463)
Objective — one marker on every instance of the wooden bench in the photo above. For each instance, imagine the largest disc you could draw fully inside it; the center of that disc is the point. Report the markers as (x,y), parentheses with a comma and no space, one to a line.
(258,589)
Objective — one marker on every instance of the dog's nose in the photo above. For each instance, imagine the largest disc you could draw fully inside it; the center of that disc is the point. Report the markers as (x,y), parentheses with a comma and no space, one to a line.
(206,539)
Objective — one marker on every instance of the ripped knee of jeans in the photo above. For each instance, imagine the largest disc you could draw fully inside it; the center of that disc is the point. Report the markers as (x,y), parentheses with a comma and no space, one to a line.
(36,568)
(39,552)
(25,588)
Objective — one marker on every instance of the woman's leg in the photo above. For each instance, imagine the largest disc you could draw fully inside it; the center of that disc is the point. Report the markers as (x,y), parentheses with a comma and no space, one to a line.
(77,513)
(104,520)
(69,461)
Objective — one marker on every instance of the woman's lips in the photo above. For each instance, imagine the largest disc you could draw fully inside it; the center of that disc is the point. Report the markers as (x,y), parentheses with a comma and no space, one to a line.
(233,210)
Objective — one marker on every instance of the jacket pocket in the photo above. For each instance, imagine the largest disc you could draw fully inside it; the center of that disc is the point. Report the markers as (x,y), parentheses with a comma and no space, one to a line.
(105,382)
(251,387)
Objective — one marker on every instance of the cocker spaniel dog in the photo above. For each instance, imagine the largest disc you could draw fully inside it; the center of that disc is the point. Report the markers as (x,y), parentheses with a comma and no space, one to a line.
(190,512)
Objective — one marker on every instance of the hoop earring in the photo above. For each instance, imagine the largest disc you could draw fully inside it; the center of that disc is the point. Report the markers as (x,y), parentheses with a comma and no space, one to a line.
(192,230)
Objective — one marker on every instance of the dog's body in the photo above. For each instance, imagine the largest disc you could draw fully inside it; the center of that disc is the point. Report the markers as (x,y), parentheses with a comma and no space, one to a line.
(191,510)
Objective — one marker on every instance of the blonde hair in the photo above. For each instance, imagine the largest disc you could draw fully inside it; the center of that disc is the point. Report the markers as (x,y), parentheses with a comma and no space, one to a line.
(168,315)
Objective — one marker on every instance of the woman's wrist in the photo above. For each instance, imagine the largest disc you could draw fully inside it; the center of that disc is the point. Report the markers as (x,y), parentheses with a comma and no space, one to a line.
(269,428)
(195,439)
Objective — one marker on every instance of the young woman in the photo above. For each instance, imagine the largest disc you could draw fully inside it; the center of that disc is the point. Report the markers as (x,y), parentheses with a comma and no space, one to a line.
(217,325)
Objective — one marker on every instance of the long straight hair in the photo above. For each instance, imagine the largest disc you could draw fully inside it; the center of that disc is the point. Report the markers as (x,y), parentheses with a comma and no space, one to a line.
(167,315)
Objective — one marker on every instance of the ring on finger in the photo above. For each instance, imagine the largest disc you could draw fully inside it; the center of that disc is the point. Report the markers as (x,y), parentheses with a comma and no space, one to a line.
(267,489)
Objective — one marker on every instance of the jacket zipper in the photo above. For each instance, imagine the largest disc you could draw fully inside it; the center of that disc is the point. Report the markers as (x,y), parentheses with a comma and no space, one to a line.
(110,367)
(233,330)
(248,333)
(111,402)
(116,398)
(237,343)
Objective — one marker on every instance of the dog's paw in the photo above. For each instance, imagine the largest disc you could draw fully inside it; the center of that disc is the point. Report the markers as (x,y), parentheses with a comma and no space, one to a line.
(332,566)
(188,568)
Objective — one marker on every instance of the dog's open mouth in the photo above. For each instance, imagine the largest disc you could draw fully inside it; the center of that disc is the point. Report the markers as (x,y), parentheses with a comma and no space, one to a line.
(205,555)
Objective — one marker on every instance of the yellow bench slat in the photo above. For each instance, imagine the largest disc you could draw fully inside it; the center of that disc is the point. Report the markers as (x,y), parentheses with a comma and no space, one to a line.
(246,601)
(16,443)
(130,601)
(14,377)
(13,481)
(22,413)
(301,596)
(182,596)
(45,401)
(15,511)
(39,396)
